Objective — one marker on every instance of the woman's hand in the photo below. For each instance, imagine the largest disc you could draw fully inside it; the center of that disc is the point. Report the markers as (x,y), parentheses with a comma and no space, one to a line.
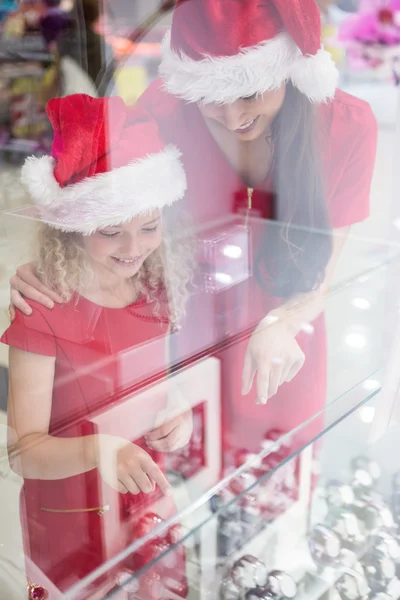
(274,355)
(127,467)
(172,435)
(25,283)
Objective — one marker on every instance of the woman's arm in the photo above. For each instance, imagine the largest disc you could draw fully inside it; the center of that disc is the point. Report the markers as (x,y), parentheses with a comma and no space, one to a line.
(273,353)
(304,308)
(34,454)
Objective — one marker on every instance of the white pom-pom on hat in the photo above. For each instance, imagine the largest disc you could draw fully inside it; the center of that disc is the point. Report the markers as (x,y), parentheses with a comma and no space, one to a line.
(37,175)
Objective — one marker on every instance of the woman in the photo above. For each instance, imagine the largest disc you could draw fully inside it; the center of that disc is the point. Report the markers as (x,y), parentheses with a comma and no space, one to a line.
(108,262)
(249,96)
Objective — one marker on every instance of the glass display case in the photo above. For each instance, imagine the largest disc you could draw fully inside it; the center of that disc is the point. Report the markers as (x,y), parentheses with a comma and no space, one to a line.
(278,501)
(282,526)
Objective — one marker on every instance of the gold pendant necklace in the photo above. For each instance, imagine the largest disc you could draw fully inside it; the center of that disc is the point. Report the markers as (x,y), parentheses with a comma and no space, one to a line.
(250,198)
(249,204)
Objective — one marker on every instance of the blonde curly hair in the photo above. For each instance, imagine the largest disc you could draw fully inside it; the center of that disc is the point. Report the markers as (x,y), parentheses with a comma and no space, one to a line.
(62,265)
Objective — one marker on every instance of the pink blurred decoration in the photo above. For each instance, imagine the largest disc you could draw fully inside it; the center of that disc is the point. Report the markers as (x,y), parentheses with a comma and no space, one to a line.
(372,38)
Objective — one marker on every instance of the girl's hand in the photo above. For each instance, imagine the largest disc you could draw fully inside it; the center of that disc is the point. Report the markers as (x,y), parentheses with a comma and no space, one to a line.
(25,283)
(274,355)
(127,467)
(171,435)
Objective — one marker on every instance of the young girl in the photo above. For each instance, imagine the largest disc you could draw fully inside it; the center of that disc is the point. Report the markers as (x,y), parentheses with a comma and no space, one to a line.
(102,196)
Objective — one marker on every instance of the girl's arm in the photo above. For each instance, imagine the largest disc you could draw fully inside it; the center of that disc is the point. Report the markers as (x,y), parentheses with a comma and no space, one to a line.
(34,454)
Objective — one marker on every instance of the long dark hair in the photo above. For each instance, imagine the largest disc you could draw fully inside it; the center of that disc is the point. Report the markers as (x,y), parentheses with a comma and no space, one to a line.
(295,252)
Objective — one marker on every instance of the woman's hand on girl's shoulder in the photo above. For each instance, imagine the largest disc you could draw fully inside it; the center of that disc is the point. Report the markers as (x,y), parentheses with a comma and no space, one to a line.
(26,284)
(128,468)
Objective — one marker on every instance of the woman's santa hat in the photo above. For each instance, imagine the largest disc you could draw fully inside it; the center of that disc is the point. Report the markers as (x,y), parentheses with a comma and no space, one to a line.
(107,166)
(223,50)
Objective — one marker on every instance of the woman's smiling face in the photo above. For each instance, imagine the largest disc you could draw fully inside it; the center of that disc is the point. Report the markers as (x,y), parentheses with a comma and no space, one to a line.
(121,250)
(247,118)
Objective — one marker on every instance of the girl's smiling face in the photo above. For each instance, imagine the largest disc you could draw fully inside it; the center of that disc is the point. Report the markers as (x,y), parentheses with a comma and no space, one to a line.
(122,249)
(247,118)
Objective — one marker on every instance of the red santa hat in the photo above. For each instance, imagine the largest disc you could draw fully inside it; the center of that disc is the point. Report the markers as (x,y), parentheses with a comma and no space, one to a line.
(107,166)
(223,50)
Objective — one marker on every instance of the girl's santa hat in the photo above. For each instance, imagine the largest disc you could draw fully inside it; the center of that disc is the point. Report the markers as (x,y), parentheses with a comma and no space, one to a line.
(107,166)
(223,50)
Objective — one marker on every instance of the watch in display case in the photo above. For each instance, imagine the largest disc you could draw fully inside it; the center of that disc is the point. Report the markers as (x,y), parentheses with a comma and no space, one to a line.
(368,465)
(252,461)
(281,585)
(147,524)
(223,499)
(242,483)
(229,590)
(169,558)
(249,572)
(258,594)
(324,545)
(379,568)
(248,507)
(272,499)
(362,482)
(338,494)
(251,516)
(353,584)
(387,544)
(345,524)
(249,575)
(176,586)
(152,586)
(126,581)
(280,449)
(175,533)
(347,558)
(230,536)
(149,551)
(374,516)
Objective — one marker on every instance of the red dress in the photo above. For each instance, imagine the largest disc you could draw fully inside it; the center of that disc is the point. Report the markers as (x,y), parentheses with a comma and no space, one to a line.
(93,369)
(215,190)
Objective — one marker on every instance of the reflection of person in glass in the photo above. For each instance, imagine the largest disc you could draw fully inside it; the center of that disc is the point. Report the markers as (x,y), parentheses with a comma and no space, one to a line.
(102,247)
(250,97)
